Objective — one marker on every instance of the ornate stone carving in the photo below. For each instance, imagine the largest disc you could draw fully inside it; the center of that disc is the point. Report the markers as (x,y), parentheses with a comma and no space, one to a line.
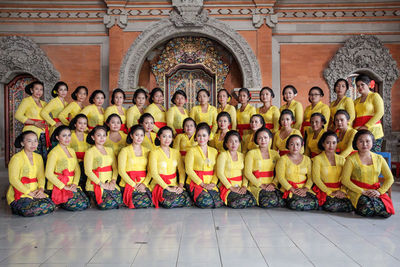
(116,17)
(188,13)
(164,30)
(365,52)
(271,20)
(20,54)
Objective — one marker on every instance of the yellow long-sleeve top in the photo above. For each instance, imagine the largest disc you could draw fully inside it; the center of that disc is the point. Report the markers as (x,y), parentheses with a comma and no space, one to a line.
(94,116)
(210,117)
(69,112)
(297,109)
(132,116)
(227,168)
(128,161)
(175,118)
(78,146)
(158,115)
(20,166)
(346,144)
(255,162)
(271,118)
(195,160)
(113,109)
(232,112)
(95,159)
(323,172)
(116,146)
(217,143)
(248,143)
(54,107)
(345,103)
(287,171)
(312,144)
(57,161)
(182,143)
(318,108)
(354,170)
(279,144)
(29,110)
(243,117)
(149,144)
(159,163)
(372,106)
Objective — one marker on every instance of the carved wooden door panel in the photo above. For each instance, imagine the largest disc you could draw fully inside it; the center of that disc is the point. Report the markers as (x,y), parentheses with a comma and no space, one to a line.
(190,81)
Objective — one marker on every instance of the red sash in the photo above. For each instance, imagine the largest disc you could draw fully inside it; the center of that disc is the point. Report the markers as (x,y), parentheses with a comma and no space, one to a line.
(242,127)
(136,177)
(123,128)
(90,127)
(269,126)
(195,188)
(96,187)
(80,155)
(384,197)
(57,120)
(46,131)
(304,125)
(160,124)
(58,195)
(223,191)
(313,154)
(267,174)
(361,121)
(284,152)
(179,131)
(321,195)
(183,153)
(158,190)
(287,192)
(24,180)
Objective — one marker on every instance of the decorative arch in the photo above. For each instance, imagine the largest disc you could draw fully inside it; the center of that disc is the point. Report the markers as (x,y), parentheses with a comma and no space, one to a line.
(19,54)
(166,29)
(365,54)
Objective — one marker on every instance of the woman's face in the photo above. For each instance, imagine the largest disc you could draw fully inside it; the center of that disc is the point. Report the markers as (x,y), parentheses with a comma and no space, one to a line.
(30,142)
(233,143)
(180,100)
(140,100)
(364,143)
(158,98)
(81,124)
(341,121)
(265,96)
(288,95)
(362,88)
(137,137)
(330,144)
(223,123)
(100,137)
(341,89)
(255,123)
(189,128)
(114,124)
(64,138)
(165,138)
(295,145)
(148,124)
(316,123)
(37,91)
(202,137)
(118,99)
(315,96)
(286,121)
(263,139)
(98,99)
(222,98)
(243,98)
(203,98)
(81,95)
(62,91)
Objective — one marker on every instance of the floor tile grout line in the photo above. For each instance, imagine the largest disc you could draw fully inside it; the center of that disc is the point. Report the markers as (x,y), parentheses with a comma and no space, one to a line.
(216,236)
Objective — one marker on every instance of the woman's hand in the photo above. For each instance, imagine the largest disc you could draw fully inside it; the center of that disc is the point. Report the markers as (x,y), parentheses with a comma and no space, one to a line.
(243,190)
(268,187)
(179,190)
(371,193)
(171,189)
(234,189)
(301,191)
(339,194)
(39,124)
(141,188)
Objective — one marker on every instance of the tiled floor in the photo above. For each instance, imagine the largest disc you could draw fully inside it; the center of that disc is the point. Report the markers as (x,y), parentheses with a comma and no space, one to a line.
(195,237)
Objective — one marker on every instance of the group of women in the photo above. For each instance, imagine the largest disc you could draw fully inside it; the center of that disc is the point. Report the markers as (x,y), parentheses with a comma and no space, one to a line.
(209,157)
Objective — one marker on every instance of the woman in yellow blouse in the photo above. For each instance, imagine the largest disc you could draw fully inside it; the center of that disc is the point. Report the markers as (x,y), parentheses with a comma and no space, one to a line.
(55,106)
(345,133)
(314,133)
(28,113)
(101,170)
(259,166)
(132,167)
(116,139)
(200,165)
(294,174)
(342,102)
(147,121)
(157,109)
(326,170)
(74,108)
(133,114)
(369,111)
(360,175)
(63,173)
(269,112)
(25,194)
(230,165)
(289,92)
(117,99)
(95,111)
(223,121)
(204,112)
(177,114)
(244,113)
(184,141)
(223,98)
(168,173)
(256,122)
(78,143)
(281,136)
(314,97)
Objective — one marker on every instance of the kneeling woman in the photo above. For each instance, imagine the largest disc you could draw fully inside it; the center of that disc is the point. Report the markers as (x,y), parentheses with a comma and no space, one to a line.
(164,163)
(200,162)
(132,164)
(230,164)
(326,170)
(259,170)
(63,173)
(360,175)
(294,174)
(26,195)
(101,170)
